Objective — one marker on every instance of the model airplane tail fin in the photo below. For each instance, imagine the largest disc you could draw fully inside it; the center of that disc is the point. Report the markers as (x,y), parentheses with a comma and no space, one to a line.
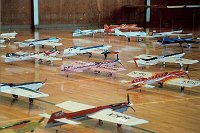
(118,32)
(52,120)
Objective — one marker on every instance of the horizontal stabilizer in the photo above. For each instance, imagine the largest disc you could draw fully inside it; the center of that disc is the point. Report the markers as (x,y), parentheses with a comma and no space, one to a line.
(67,121)
(45,115)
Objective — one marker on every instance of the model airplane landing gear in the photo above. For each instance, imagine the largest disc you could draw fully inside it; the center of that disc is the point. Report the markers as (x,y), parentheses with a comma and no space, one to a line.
(161,85)
(119,125)
(15,96)
(182,89)
(30,100)
(129,39)
(100,122)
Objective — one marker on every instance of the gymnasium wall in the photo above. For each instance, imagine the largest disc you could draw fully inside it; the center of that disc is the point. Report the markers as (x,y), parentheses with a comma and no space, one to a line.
(97,12)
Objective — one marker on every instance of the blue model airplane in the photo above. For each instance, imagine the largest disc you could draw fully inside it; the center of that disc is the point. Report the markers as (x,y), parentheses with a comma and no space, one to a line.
(167,40)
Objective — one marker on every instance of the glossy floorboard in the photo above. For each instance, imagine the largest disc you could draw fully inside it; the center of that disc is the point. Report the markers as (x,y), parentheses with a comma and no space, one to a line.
(166,109)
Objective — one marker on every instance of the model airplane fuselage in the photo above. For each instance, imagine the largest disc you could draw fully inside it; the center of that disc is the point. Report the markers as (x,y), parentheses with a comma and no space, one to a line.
(53,41)
(130,34)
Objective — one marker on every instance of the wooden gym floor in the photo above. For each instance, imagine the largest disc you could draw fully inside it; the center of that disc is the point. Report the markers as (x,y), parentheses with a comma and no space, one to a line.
(166,109)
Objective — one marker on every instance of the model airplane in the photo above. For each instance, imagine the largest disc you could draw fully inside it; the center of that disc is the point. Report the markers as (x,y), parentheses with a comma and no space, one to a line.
(110,113)
(167,40)
(28,89)
(21,126)
(140,35)
(98,49)
(49,56)
(53,41)
(79,32)
(145,60)
(144,79)
(8,36)
(122,27)
(2,43)
(80,66)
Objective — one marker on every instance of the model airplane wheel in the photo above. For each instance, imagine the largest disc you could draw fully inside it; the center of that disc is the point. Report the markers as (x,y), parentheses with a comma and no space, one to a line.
(100,122)
(161,85)
(30,100)
(119,125)
(15,96)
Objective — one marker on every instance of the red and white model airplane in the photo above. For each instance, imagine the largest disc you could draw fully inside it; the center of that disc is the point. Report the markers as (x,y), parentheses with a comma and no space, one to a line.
(110,113)
(49,56)
(81,66)
(122,27)
(144,79)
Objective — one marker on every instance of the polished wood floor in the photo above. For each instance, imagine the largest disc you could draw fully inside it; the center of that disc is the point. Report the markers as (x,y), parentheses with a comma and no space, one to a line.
(166,109)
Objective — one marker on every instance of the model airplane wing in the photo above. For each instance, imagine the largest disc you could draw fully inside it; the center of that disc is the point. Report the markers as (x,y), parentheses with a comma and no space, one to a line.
(183,82)
(180,60)
(53,44)
(74,106)
(116,117)
(44,57)
(25,92)
(139,74)
(106,68)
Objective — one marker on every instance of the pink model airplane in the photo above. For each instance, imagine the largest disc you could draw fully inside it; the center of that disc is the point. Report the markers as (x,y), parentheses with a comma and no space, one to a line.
(108,66)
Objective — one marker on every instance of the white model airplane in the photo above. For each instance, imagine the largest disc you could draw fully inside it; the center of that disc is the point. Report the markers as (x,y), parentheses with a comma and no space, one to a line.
(49,56)
(53,41)
(145,60)
(80,66)
(28,89)
(98,49)
(79,32)
(2,43)
(110,113)
(140,34)
(8,36)
(145,79)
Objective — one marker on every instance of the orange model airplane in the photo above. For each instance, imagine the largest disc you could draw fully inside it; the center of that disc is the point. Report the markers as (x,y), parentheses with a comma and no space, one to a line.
(122,27)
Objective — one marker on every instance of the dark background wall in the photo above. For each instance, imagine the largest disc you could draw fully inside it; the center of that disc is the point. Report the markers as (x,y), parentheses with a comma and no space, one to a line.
(98,12)
(180,17)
